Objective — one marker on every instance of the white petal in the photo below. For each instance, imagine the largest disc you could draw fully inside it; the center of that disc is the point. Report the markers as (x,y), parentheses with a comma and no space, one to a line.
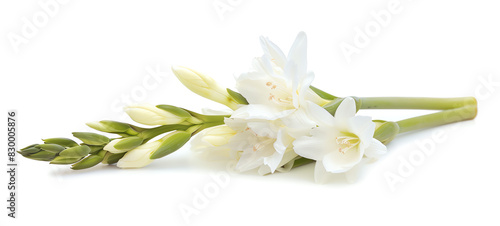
(363,127)
(336,162)
(298,53)
(311,147)
(320,173)
(346,109)
(319,114)
(273,51)
(273,161)
(376,149)
(258,111)
(282,142)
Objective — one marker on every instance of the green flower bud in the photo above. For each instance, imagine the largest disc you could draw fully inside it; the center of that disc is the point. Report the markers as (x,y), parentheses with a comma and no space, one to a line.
(75,152)
(91,138)
(385,131)
(111,158)
(89,161)
(123,144)
(65,160)
(61,141)
(54,148)
(95,149)
(128,143)
(112,127)
(32,149)
(170,143)
(42,156)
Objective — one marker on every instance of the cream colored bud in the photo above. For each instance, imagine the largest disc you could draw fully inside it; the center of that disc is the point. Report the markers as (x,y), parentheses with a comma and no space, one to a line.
(218,136)
(139,156)
(204,86)
(151,115)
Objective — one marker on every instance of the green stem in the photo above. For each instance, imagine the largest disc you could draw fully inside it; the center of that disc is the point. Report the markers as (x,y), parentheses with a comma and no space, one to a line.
(436,119)
(424,103)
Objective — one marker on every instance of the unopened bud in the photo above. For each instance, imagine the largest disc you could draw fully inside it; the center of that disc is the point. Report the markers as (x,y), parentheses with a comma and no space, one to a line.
(91,138)
(75,152)
(204,86)
(61,141)
(151,115)
(123,144)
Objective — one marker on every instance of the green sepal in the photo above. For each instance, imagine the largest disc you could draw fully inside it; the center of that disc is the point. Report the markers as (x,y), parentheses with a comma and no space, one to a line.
(65,160)
(177,111)
(89,161)
(42,156)
(54,148)
(28,147)
(171,143)
(237,96)
(61,141)
(323,94)
(29,150)
(111,158)
(91,138)
(95,149)
(128,143)
(75,152)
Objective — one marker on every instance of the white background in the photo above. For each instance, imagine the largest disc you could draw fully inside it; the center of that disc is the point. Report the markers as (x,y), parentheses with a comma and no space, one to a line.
(92,57)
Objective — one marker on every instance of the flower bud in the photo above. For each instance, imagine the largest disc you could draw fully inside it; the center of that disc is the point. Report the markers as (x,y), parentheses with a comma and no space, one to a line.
(89,161)
(54,148)
(150,115)
(75,152)
(204,86)
(385,131)
(40,155)
(123,145)
(91,138)
(65,160)
(170,143)
(61,141)
(139,156)
(108,126)
(218,136)
(146,153)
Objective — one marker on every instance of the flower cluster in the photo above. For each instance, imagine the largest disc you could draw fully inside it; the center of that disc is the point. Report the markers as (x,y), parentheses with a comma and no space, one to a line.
(277,121)
(284,120)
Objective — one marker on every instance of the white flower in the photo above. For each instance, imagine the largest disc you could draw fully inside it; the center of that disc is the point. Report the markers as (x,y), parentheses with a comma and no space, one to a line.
(276,90)
(339,143)
(204,86)
(151,115)
(259,144)
(277,82)
(139,156)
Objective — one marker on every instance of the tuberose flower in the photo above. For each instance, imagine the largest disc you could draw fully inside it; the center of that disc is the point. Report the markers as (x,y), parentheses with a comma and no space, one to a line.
(259,144)
(278,84)
(339,143)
